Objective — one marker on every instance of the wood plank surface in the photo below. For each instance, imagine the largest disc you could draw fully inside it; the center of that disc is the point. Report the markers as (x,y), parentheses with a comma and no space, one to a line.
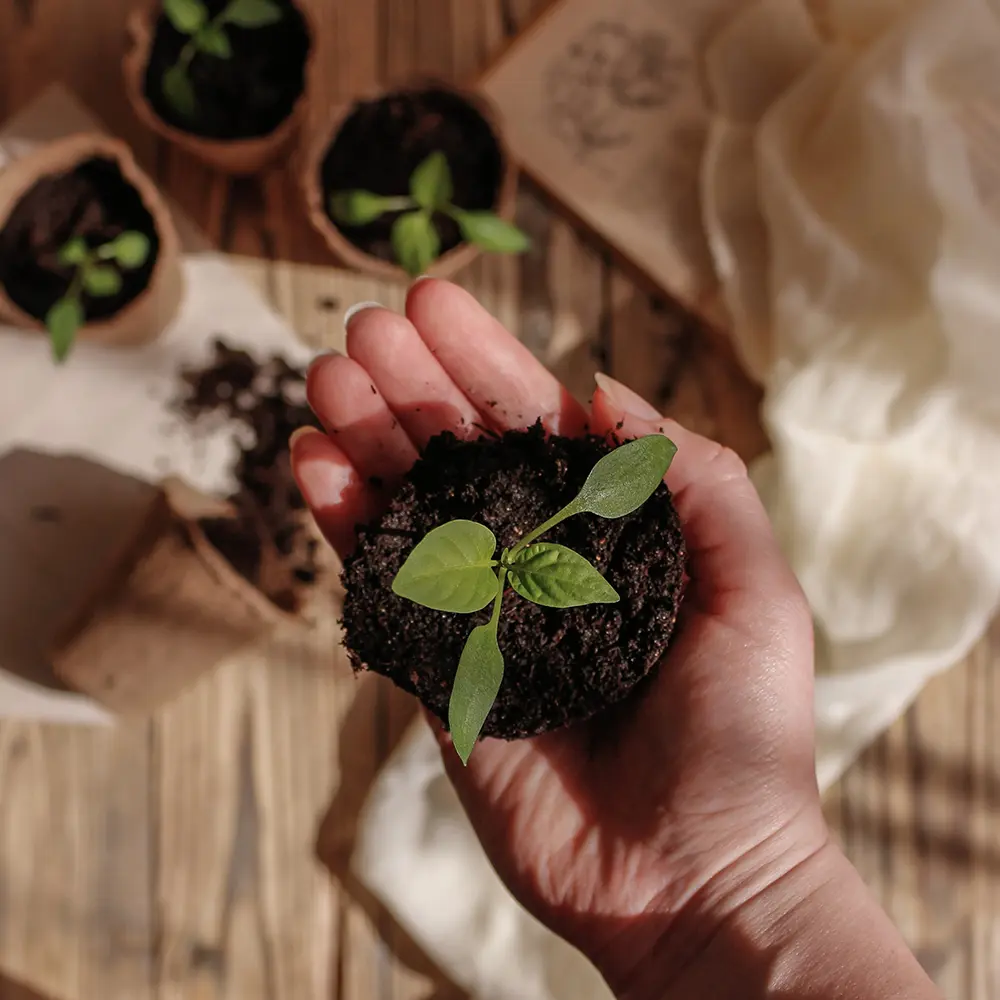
(201,855)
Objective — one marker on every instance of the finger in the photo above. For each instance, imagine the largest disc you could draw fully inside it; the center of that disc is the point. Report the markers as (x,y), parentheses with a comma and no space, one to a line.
(733,554)
(493,369)
(337,494)
(353,411)
(411,380)
(621,413)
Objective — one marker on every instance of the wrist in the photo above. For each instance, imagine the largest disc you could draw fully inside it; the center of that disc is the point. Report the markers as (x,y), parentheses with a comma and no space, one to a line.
(812,930)
(743,954)
(683,930)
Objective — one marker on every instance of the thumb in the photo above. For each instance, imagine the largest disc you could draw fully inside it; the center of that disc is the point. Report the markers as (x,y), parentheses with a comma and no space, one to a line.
(734,558)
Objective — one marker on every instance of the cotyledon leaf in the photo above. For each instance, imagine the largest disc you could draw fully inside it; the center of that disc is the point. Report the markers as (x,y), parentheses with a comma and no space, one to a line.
(477,683)
(625,478)
(451,569)
(557,577)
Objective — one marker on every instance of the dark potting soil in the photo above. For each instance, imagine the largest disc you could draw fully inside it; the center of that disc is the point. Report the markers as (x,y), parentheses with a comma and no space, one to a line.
(93,201)
(561,665)
(245,96)
(382,142)
(265,402)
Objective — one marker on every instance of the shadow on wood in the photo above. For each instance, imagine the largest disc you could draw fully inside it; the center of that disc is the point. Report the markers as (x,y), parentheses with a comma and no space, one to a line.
(941,794)
(11,989)
(378,718)
(685,368)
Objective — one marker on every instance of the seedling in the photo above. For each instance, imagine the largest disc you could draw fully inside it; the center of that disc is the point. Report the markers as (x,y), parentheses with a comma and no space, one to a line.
(455,568)
(97,273)
(207,36)
(415,240)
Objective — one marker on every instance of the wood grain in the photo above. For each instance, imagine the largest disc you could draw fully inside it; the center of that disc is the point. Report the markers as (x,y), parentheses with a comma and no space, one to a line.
(201,855)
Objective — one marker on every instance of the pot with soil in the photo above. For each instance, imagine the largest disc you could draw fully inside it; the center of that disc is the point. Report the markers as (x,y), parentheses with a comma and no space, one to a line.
(168,607)
(225,80)
(199,577)
(518,584)
(87,246)
(416,181)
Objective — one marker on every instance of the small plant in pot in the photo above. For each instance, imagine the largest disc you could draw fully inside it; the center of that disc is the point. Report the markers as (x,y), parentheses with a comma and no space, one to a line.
(98,273)
(224,79)
(87,246)
(518,584)
(412,182)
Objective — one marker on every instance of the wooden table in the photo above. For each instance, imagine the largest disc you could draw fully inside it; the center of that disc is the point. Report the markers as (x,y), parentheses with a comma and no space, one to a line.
(190,856)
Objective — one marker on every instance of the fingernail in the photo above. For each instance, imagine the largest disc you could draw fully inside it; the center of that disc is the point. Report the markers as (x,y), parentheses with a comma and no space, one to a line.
(301,432)
(322,356)
(625,399)
(324,483)
(422,277)
(359,307)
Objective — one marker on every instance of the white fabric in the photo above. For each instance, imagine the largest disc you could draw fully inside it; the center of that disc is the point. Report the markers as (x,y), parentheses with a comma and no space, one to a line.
(873,319)
(851,188)
(418,852)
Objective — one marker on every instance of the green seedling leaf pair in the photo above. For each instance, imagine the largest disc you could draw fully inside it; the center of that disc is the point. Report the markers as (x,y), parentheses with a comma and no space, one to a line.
(415,239)
(456,568)
(207,36)
(97,273)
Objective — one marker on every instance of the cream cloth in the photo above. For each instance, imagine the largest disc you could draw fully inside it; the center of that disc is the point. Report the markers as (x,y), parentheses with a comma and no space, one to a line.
(851,190)
(853,214)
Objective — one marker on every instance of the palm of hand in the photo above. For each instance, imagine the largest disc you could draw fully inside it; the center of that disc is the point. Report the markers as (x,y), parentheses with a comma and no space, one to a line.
(644,810)
(644,807)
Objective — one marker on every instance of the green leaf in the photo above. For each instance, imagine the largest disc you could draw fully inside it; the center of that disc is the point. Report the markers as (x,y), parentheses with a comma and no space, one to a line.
(477,683)
(187,16)
(625,478)
(430,184)
(213,41)
(252,13)
(179,91)
(557,577)
(358,208)
(63,320)
(75,252)
(450,569)
(102,281)
(415,242)
(130,250)
(490,232)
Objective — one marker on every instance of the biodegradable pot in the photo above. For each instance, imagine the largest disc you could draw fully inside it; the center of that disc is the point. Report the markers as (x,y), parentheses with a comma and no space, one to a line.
(238,156)
(476,109)
(168,610)
(144,315)
(562,665)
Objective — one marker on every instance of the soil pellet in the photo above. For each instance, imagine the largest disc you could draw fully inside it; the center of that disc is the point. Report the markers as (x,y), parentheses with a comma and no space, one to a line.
(562,665)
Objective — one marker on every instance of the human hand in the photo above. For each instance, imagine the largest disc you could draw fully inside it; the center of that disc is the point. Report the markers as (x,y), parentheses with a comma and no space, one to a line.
(646,829)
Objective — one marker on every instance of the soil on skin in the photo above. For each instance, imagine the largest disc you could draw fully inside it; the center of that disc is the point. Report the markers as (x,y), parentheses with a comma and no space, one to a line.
(562,665)
(383,141)
(246,96)
(93,201)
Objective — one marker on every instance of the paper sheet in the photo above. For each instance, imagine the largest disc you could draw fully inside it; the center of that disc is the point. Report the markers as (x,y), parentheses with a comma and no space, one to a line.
(113,408)
(603,104)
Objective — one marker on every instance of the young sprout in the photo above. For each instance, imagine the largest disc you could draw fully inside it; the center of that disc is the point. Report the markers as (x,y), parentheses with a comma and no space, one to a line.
(415,241)
(455,568)
(207,36)
(97,273)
